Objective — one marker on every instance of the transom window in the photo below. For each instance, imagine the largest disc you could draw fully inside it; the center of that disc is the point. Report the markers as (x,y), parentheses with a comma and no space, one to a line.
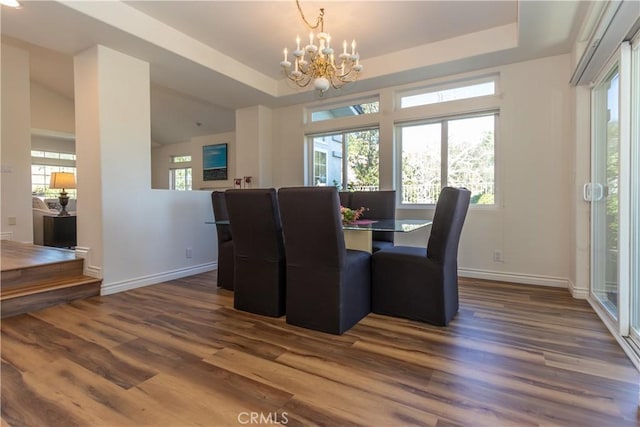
(438,94)
(349,110)
(180,159)
(458,152)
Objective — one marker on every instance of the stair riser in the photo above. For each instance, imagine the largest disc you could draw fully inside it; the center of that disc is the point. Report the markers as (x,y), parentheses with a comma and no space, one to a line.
(29,276)
(29,303)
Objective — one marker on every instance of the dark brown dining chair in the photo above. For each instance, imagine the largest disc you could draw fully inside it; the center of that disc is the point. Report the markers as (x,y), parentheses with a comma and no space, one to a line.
(225,241)
(379,205)
(259,251)
(328,286)
(419,283)
(345,198)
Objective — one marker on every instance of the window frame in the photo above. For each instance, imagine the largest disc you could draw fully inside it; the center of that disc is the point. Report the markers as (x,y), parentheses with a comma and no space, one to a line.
(310,144)
(444,164)
(326,165)
(52,159)
(442,86)
(309,111)
(172,178)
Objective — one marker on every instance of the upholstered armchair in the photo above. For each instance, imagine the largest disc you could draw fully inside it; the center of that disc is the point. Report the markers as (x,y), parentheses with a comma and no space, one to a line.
(39,211)
(419,283)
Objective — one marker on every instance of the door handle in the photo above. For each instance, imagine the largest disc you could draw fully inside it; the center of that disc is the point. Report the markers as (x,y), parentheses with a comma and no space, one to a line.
(586,192)
(593,191)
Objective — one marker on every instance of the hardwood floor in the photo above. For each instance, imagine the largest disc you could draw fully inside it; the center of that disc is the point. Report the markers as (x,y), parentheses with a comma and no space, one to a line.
(178,354)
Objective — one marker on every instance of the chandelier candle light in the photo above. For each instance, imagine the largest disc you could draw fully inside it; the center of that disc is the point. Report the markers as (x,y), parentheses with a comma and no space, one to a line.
(317,62)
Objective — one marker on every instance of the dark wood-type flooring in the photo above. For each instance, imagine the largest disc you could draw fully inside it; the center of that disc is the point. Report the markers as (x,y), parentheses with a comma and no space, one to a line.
(178,354)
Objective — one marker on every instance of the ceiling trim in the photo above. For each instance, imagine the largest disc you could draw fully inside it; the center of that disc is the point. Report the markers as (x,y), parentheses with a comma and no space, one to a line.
(138,24)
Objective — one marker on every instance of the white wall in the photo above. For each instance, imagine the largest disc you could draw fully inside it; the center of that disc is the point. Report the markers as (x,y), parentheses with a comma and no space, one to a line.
(131,235)
(16,147)
(535,156)
(161,161)
(51,111)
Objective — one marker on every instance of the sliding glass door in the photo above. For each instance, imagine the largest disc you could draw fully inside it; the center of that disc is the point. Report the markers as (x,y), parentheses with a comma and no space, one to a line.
(614,192)
(605,191)
(635,191)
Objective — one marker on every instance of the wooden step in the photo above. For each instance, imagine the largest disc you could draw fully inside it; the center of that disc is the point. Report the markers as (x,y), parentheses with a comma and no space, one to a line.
(35,277)
(38,274)
(42,295)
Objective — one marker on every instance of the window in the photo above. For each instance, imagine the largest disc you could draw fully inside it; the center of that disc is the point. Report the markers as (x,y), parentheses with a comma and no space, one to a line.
(439,94)
(180,159)
(180,179)
(43,164)
(353,109)
(353,163)
(319,167)
(458,152)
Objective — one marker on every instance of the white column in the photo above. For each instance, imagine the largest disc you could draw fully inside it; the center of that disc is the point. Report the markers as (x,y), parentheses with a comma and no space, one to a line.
(17,217)
(113,153)
(254,145)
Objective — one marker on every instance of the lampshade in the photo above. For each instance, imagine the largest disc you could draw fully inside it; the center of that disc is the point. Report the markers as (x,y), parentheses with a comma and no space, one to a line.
(62,180)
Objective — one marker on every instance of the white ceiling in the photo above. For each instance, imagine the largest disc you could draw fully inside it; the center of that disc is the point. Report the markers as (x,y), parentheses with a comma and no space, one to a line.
(208,58)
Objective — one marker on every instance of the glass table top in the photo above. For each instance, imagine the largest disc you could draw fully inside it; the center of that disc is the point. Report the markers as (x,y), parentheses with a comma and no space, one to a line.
(395,225)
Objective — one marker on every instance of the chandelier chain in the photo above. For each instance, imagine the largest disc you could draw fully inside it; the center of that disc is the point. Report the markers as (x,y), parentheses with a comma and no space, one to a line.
(319,21)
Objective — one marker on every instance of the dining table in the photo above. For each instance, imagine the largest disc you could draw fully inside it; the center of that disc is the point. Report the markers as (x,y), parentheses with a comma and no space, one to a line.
(358,235)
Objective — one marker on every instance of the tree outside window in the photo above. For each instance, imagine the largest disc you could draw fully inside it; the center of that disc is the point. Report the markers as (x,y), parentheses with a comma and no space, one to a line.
(358,160)
(457,152)
(180,179)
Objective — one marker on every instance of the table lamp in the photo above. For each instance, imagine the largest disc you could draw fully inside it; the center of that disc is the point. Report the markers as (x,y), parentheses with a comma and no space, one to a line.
(62,180)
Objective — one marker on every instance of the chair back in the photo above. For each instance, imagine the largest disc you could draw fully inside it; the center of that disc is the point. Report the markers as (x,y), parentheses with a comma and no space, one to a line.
(312,226)
(345,198)
(254,216)
(451,211)
(380,205)
(219,214)
(259,258)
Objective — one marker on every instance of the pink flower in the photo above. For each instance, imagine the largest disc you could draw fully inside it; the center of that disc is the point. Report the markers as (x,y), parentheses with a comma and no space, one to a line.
(351,215)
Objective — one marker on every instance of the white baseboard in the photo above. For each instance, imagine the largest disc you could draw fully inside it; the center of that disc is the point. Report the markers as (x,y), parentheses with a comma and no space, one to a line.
(578,293)
(89,269)
(125,285)
(6,235)
(527,279)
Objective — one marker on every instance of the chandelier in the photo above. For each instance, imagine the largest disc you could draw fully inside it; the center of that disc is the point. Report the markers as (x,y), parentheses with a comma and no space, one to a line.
(317,62)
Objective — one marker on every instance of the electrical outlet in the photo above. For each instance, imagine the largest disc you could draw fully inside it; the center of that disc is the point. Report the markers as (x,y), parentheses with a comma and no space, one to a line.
(12,220)
(497,256)
(189,252)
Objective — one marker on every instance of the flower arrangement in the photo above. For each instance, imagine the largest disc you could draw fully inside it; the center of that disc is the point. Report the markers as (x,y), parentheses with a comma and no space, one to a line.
(349,216)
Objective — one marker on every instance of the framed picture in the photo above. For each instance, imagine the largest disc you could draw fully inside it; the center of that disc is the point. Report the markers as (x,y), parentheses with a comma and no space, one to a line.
(214,162)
